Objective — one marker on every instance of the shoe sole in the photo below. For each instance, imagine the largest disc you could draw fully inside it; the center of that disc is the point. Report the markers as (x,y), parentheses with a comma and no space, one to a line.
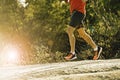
(70,59)
(73,58)
(99,53)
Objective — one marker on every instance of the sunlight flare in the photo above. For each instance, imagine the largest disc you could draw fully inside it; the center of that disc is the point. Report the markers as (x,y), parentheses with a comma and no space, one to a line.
(10,54)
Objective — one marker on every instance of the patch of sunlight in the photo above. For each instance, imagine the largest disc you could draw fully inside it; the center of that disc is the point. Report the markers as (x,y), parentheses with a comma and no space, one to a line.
(10,55)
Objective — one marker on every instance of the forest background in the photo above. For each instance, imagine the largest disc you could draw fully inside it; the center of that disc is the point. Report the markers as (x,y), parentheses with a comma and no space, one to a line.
(37,29)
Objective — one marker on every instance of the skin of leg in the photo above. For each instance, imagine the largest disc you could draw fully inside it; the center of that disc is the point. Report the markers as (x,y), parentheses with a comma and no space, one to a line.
(86,37)
(70,31)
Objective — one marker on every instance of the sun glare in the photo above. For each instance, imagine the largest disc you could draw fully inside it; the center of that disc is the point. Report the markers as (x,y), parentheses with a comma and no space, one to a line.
(10,55)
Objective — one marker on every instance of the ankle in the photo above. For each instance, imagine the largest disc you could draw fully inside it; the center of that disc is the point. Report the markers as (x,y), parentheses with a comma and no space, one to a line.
(72,52)
(95,49)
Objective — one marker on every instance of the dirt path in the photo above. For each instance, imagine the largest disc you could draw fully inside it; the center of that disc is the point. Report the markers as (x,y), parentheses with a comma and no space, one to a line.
(75,70)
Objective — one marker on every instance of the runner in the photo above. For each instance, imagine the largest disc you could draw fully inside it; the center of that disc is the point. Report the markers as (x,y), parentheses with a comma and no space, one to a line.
(78,13)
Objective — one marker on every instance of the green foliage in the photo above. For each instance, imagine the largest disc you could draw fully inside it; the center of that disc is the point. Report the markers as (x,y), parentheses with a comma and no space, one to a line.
(40,28)
(105,24)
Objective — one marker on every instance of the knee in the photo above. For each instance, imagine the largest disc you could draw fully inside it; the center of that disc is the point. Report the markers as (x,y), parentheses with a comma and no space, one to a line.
(82,33)
(70,30)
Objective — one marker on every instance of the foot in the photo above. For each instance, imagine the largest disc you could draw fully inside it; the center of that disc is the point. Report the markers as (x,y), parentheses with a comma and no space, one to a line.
(70,56)
(97,53)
